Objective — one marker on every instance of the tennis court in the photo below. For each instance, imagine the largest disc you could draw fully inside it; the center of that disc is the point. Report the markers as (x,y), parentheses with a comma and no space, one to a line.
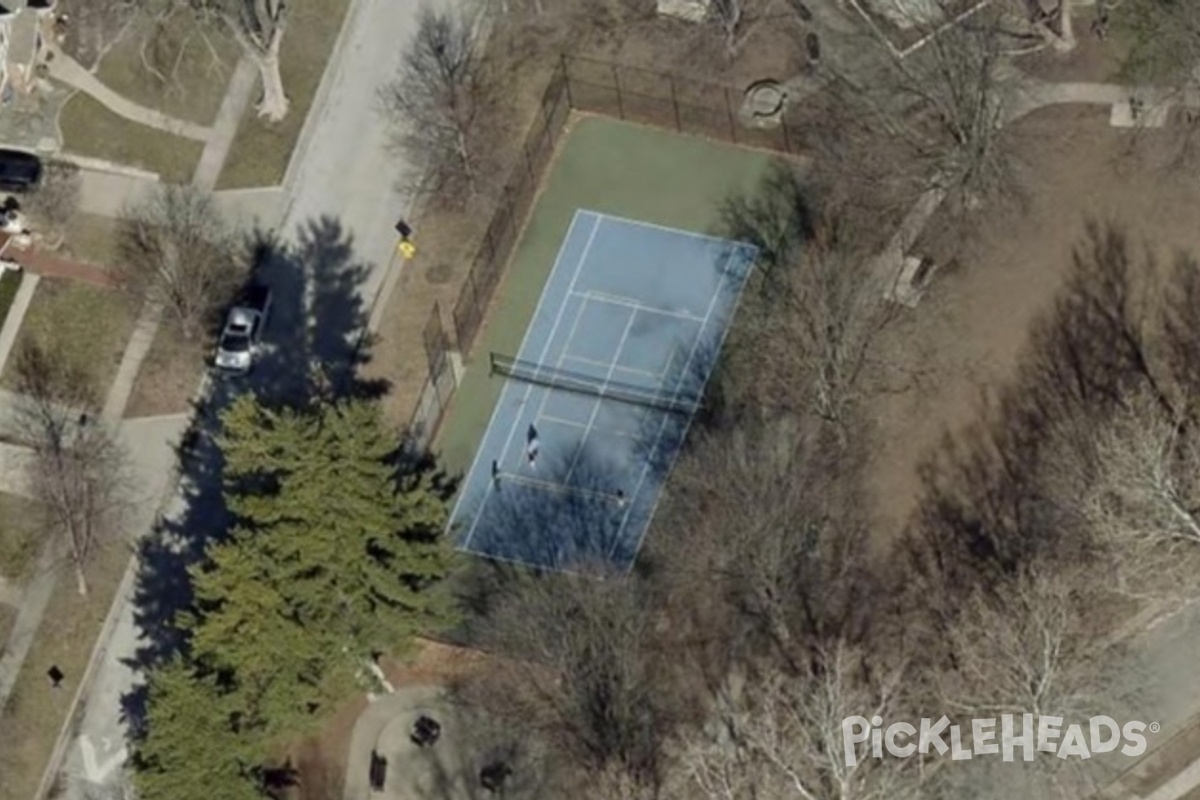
(598,399)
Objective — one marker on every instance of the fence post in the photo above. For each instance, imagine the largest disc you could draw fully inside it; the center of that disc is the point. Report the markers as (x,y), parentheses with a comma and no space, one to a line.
(562,64)
(617,84)
(787,139)
(675,104)
(729,112)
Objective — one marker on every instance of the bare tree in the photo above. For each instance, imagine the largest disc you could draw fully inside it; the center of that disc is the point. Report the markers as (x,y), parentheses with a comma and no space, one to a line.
(578,671)
(257,25)
(731,18)
(1027,646)
(54,202)
(819,310)
(176,251)
(1139,496)
(780,736)
(434,102)
(928,121)
(78,468)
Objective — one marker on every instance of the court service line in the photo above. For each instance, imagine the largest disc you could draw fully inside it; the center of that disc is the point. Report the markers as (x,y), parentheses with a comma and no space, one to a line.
(596,404)
(712,304)
(678,231)
(618,300)
(688,426)
(479,452)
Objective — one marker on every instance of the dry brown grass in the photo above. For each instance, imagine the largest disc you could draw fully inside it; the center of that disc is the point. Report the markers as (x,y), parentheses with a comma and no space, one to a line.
(167,379)
(35,712)
(968,334)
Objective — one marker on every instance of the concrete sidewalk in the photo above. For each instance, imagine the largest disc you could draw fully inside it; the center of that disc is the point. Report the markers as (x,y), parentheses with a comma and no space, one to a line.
(233,107)
(71,72)
(16,316)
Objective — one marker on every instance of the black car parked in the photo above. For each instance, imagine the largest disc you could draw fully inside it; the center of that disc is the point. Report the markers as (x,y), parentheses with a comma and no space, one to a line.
(19,170)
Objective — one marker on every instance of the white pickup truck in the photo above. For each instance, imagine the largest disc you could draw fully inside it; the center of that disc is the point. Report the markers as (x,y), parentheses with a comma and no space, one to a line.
(242,334)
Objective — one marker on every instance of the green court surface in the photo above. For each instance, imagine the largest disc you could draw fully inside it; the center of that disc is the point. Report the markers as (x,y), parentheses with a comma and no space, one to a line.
(613,168)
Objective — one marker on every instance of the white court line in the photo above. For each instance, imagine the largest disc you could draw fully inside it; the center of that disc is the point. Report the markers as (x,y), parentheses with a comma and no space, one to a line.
(598,363)
(596,406)
(562,354)
(712,304)
(570,423)
(687,427)
(618,300)
(557,488)
(524,340)
(678,231)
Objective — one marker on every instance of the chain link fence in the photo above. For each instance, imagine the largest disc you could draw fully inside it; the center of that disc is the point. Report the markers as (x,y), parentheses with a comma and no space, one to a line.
(584,84)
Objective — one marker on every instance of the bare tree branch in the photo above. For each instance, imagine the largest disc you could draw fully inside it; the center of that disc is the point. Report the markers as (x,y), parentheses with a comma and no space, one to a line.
(78,468)
(434,102)
(176,251)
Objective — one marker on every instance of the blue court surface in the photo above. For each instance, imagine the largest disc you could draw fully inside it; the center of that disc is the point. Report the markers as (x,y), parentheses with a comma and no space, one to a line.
(602,391)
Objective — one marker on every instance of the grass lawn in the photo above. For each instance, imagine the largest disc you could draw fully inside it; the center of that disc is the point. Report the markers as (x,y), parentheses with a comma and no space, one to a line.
(92,238)
(77,321)
(169,376)
(8,618)
(90,129)
(18,536)
(260,152)
(10,281)
(614,168)
(177,47)
(35,712)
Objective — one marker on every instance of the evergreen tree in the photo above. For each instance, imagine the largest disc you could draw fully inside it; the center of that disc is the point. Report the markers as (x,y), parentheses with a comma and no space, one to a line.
(192,750)
(335,556)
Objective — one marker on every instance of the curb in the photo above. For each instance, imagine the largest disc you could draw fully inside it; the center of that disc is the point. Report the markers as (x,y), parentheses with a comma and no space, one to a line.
(328,78)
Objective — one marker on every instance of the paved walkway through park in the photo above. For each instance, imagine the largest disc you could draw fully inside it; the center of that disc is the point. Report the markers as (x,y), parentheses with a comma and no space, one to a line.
(446,770)
(224,129)
(16,315)
(66,69)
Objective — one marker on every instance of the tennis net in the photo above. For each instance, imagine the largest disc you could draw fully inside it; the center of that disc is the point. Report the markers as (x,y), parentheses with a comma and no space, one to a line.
(581,383)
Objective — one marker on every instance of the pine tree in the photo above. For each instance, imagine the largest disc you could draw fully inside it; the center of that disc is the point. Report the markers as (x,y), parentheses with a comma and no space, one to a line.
(191,750)
(335,556)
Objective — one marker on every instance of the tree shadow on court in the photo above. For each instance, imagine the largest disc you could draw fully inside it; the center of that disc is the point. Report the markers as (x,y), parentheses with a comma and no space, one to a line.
(779,216)
(311,348)
(562,522)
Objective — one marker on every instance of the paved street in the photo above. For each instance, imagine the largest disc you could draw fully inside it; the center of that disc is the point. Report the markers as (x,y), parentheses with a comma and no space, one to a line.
(337,243)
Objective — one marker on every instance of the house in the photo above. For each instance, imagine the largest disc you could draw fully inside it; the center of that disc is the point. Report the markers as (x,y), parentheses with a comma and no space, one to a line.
(21,43)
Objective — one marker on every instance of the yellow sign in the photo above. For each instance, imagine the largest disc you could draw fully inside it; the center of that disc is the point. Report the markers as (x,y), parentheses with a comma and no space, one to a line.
(407,249)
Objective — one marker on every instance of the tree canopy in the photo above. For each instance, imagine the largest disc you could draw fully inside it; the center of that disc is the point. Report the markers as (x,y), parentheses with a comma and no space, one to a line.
(336,554)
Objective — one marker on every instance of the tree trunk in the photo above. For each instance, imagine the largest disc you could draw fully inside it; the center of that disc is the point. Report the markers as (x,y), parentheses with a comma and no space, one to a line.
(274,103)
(1066,40)
(81,580)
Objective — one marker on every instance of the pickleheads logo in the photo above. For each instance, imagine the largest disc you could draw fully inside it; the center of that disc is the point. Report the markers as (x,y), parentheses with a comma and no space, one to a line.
(1004,736)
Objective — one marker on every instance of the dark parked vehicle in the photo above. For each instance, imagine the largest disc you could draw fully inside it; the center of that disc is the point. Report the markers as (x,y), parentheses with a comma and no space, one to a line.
(19,170)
